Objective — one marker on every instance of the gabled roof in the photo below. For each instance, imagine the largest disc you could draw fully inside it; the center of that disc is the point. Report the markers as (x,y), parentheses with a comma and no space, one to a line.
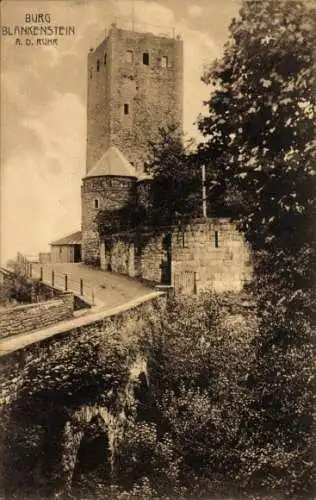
(113,162)
(70,239)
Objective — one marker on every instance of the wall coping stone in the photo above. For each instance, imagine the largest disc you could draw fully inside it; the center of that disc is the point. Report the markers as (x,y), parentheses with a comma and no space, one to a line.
(16,342)
(20,307)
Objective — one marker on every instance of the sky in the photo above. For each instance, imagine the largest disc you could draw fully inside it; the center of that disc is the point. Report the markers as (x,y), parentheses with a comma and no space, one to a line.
(43,102)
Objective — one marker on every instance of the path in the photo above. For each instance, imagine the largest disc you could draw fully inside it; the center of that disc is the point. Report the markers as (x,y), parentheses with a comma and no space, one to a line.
(109,288)
(16,342)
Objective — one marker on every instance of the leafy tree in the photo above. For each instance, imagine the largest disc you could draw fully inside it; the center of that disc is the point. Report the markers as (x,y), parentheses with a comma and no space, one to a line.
(173,195)
(176,180)
(260,129)
(198,368)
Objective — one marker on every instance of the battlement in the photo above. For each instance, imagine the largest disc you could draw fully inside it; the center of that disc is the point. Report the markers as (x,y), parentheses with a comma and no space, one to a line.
(141,28)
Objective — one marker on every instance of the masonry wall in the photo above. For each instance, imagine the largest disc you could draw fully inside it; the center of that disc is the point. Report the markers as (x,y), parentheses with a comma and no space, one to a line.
(111,193)
(26,318)
(216,251)
(153,93)
(206,255)
(46,382)
(98,102)
(127,326)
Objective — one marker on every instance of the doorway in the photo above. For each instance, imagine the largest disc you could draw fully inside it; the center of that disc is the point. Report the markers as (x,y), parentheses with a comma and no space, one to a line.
(77,253)
(166,259)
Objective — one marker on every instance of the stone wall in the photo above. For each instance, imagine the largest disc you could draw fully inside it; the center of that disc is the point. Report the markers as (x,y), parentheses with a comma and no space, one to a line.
(216,251)
(98,103)
(205,255)
(112,193)
(127,325)
(153,92)
(26,318)
(46,382)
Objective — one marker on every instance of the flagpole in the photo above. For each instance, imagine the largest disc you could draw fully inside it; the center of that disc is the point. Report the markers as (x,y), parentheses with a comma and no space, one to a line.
(203,192)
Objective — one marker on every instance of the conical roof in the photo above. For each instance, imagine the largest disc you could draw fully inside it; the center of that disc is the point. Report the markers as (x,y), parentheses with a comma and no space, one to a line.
(113,162)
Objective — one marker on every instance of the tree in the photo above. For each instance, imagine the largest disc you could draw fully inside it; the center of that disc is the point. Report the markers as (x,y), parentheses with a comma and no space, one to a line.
(197,368)
(176,180)
(260,128)
(173,195)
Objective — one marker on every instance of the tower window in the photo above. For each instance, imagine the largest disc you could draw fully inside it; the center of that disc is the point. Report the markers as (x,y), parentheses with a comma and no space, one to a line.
(146,58)
(96,203)
(129,56)
(164,62)
(98,65)
(216,239)
(90,74)
(104,60)
(126,109)
(184,240)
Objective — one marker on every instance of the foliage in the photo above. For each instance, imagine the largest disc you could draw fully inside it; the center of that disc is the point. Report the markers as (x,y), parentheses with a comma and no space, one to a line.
(173,195)
(110,222)
(198,371)
(176,178)
(16,290)
(260,131)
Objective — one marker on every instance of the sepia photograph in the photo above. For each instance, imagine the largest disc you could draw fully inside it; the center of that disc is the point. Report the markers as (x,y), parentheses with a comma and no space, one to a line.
(157,249)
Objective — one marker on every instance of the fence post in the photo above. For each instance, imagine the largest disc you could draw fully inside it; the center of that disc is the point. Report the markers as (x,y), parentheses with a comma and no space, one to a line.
(53,277)
(81,287)
(66,282)
(41,273)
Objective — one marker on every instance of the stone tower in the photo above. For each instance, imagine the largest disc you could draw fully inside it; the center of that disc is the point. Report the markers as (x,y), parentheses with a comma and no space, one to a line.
(135,86)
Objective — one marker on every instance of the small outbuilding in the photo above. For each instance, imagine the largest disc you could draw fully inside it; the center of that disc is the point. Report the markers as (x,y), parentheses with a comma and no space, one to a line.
(67,249)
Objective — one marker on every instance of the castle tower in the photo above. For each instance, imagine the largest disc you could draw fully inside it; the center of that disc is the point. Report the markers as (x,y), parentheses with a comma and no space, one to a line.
(135,86)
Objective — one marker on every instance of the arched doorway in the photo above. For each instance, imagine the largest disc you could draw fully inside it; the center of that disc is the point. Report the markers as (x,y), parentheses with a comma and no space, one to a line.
(93,461)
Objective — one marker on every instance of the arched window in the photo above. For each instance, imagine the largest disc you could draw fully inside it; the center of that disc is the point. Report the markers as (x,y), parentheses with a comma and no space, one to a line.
(98,65)
(104,60)
(96,203)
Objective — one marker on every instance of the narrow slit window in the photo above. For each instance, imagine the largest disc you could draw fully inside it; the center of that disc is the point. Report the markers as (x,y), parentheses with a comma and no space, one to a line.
(96,203)
(216,239)
(146,58)
(104,59)
(126,109)
(98,65)
(164,62)
(90,74)
(184,241)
